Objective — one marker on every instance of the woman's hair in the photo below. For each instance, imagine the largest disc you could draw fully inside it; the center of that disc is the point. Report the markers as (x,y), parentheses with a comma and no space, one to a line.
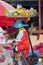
(4,28)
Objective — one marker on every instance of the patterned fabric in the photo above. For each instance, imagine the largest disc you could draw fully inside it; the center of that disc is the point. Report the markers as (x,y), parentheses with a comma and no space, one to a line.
(39,48)
(2,58)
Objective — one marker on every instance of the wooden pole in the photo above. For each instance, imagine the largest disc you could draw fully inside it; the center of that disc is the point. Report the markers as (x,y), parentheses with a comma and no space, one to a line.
(39,15)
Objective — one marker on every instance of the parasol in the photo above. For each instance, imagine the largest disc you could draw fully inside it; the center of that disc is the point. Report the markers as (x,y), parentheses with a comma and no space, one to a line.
(5,21)
(4,6)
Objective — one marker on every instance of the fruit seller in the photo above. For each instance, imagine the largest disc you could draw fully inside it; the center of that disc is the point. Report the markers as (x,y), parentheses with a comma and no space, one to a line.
(21,40)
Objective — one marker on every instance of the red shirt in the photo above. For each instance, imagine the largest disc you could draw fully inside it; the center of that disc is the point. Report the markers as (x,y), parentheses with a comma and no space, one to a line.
(23,44)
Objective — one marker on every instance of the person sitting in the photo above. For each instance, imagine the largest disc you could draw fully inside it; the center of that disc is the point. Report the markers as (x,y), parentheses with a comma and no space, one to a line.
(3,44)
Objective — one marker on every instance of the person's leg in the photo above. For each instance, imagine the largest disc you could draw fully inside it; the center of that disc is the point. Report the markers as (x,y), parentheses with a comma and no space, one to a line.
(11,61)
(19,62)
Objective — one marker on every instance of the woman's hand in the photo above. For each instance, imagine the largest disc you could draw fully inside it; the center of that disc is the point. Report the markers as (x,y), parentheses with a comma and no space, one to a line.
(7,45)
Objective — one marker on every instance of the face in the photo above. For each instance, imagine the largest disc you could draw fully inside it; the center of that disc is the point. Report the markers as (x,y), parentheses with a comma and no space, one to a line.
(6,34)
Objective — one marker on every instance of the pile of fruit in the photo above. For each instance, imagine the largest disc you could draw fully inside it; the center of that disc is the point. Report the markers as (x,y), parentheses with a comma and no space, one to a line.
(22,12)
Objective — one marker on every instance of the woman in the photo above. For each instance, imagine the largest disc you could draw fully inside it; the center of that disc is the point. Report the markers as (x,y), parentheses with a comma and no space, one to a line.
(22,39)
(3,51)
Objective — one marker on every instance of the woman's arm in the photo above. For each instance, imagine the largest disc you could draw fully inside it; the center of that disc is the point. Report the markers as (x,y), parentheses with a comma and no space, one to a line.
(6,45)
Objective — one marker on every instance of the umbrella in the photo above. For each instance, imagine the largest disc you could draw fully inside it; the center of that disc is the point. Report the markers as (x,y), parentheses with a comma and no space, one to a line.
(7,21)
(4,20)
(4,6)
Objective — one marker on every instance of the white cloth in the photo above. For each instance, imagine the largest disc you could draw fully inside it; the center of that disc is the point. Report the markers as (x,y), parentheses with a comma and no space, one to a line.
(2,41)
(19,36)
(2,37)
